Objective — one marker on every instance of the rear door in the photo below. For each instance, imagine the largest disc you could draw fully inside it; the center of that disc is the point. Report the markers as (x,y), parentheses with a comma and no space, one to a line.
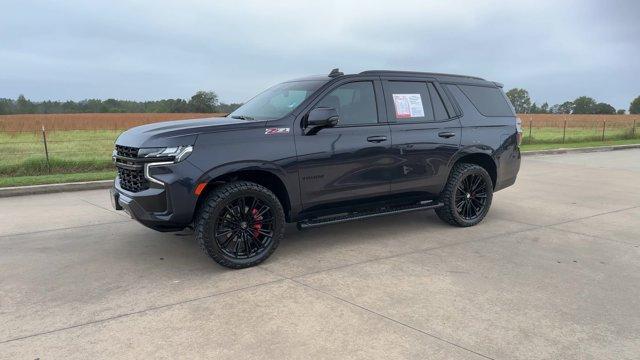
(351,160)
(425,133)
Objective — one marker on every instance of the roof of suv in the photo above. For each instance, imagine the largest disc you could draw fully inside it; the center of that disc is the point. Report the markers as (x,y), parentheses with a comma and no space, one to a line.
(439,76)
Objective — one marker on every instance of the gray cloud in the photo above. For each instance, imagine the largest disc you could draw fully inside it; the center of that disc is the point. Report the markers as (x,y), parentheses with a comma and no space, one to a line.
(150,49)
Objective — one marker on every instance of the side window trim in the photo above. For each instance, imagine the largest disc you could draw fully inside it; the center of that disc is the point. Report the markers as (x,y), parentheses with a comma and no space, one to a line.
(433,111)
(453,111)
(447,100)
(457,109)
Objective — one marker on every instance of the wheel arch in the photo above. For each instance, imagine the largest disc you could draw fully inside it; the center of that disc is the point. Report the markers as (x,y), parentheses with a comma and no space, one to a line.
(263,177)
(481,159)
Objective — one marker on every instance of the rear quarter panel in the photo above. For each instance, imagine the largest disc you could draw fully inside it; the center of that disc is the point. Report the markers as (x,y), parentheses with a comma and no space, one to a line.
(491,135)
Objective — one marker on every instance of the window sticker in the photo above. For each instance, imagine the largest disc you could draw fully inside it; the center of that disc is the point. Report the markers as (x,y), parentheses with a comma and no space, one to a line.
(408,106)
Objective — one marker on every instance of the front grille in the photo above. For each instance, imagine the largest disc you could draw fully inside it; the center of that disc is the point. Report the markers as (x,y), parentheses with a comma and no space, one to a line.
(130,172)
(127,151)
(132,180)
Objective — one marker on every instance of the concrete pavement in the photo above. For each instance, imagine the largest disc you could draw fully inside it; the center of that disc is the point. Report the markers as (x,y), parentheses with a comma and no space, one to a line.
(553,272)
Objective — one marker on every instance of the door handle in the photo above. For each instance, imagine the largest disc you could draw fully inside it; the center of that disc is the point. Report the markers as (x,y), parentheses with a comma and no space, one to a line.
(446,134)
(377,139)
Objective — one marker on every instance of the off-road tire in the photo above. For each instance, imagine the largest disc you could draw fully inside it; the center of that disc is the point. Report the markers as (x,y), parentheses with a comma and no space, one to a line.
(448,213)
(205,222)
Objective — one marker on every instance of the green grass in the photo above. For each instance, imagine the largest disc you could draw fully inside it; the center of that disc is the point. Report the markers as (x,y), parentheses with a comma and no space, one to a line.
(69,152)
(549,146)
(56,178)
(554,135)
(83,155)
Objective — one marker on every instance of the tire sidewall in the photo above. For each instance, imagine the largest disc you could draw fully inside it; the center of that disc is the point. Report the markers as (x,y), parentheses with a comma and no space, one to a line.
(211,244)
(465,173)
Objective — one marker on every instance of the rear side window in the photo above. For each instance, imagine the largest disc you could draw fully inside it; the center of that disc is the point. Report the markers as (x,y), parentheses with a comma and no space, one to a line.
(409,101)
(488,100)
(439,111)
(355,103)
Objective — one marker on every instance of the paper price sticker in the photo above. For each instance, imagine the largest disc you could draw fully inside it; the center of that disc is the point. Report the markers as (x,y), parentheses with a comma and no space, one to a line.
(408,105)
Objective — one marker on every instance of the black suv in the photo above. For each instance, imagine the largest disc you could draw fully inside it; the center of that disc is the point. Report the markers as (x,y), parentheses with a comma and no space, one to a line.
(321,150)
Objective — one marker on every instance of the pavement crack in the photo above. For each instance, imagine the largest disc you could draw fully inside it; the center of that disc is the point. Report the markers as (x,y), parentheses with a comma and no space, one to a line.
(417,251)
(594,215)
(391,319)
(153,308)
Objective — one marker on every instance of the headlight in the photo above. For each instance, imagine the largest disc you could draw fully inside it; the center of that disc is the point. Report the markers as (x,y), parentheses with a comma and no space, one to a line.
(176,153)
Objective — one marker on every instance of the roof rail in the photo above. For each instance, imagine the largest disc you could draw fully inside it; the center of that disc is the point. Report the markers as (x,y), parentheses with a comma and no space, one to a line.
(385,72)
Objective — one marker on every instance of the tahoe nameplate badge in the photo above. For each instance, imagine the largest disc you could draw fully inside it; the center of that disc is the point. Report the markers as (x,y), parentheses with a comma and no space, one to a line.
(276,131)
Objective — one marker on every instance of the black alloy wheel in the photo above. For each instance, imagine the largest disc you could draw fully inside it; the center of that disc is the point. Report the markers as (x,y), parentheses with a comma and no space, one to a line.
(244,228)
(467,196)
(471,197)
(239,224)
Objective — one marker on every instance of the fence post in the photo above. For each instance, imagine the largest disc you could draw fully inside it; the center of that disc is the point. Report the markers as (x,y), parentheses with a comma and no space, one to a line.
(530,123)
(564,131)
(633,130)
(604,126)
(46,149)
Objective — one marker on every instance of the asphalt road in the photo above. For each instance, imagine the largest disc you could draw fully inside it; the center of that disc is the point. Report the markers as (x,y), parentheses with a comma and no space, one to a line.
(552,273)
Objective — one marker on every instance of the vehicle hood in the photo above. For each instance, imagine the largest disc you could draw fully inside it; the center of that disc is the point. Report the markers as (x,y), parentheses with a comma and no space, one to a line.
(179,132)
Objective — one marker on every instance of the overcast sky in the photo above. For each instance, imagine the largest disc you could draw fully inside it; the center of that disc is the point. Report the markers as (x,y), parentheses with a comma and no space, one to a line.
(142,50)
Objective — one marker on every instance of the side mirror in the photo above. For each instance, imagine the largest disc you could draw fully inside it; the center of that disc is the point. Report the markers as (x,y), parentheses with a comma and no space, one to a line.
(321,117)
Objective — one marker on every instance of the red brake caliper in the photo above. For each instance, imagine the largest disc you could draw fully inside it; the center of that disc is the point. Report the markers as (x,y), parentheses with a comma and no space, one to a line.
(258,223)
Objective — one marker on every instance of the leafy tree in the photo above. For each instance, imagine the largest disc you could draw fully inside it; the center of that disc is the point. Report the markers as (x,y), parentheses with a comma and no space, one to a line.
(534,109)
(544,108)
(203,102)
(620,111)
(565,108)
(6,106)
(584,105)
(604,108)
(228,108)
(634,108)
(178,106)
(520,100)
(24,105)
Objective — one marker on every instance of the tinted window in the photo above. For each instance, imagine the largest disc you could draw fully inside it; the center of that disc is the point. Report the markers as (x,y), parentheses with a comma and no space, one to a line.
(355,103)
(409,101)
(439,111)
(277,101)
(488,100)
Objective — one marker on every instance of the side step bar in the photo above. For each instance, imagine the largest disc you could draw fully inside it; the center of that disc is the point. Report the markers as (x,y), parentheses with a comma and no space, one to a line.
(327,220)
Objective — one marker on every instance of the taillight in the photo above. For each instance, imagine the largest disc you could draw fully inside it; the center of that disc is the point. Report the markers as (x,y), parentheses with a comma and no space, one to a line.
(519,130)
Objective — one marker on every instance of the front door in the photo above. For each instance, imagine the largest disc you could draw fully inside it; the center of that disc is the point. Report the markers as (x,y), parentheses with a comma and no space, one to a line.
(351,160)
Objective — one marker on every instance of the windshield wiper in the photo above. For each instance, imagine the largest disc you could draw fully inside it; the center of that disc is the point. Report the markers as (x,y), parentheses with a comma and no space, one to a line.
(242,117)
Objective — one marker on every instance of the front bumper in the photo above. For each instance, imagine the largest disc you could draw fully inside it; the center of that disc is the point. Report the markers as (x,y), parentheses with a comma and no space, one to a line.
(168,204)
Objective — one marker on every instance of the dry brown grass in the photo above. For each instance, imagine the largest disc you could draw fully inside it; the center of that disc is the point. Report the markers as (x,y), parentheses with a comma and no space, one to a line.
(553,120)
(34,122)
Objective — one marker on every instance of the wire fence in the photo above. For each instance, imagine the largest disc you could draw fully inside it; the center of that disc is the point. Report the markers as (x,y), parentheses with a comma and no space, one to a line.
(562,131)
(64,151)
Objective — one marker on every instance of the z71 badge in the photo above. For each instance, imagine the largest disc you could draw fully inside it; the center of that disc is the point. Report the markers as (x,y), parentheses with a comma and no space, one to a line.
(276,131)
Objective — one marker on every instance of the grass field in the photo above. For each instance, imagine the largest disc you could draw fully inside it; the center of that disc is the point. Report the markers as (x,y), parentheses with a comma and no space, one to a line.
(81,155)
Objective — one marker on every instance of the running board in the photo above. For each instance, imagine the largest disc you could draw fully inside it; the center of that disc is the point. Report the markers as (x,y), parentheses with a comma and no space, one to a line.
(328,220)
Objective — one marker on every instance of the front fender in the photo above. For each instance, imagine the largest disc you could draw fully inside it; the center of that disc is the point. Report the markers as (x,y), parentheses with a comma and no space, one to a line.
(248,165)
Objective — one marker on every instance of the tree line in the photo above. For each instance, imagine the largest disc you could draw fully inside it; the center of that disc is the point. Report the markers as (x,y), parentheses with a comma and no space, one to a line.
(200,102)
(581,105)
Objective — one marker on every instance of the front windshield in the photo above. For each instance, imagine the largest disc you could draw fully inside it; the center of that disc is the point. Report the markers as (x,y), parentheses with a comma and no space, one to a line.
(277,101)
